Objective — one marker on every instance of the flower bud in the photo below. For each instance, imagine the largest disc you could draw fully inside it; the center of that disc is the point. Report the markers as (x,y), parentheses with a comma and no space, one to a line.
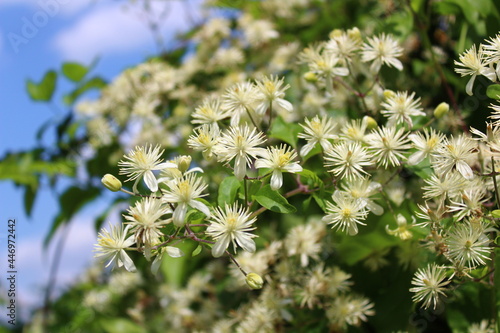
(111,182)
(254,281)
(370,122)
(354,34)
(335,33)
(184,163)
(310,77)
(441,110)
(389,94)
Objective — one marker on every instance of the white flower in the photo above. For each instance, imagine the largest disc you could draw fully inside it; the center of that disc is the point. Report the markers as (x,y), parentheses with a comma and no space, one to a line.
(345,213)
(349,309)
(354,130)
(363,189)
(430,284)
(399,107)
(210,112)
(447,185)
(183,191)
(492,52)
(239,100)
(475,64)
(317,131)
(111,246)
(140,163)
(347,160)
(343,47)
(240,143)
(305,241)
(468,244)
(425,143)
(270,94)
(231,225)
(145,220)
(455,153)
(326,65)
(470,202)
(387,145)
(205,139)
(279,160)
(382,49)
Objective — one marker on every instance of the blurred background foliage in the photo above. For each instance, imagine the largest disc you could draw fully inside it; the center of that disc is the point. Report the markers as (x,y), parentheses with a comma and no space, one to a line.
(433,34)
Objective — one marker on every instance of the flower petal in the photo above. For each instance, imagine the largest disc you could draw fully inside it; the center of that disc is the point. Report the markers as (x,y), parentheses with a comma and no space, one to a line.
(276,180)
(246,242)
(220,246)
(150,180)
(174,252)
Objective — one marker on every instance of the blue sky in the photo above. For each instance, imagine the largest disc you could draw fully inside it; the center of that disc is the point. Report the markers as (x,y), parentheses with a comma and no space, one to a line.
(38,35)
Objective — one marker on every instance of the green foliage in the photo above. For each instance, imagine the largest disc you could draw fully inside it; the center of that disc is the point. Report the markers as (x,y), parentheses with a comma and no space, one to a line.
(42,91)
(228,189)
(286,132)
(74,71)
(273,201)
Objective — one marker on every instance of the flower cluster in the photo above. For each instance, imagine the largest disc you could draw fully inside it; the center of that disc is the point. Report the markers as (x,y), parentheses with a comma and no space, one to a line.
(268,157)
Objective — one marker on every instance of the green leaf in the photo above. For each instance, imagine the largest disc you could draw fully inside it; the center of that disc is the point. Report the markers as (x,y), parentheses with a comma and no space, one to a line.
(197,251)
(496,213)
(94,83)
(273,201)
(74,71)
(29,198)
(287,132)
(44,90)
(311,178)
(493,91)
(228,189)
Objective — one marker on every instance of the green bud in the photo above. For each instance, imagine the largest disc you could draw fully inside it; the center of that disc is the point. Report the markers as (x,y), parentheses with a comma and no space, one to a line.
(354,34)
(335,33)
(184,163)
(370,122)
(389,94)
(441,110)
(111,182)
(254,281)
(310,77)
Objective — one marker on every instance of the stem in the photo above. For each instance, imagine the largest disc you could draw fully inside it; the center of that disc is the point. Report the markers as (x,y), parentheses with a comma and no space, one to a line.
(236,263)
(59,250)
(495,181)
(251,119)
(270,116)
(139,195)
(245,187)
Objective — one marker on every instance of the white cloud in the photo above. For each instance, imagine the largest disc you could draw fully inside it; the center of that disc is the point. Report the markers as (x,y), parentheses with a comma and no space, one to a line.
(113,30)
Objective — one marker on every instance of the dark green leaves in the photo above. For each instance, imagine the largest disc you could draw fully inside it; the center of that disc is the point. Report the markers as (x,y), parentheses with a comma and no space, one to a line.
(43,90)
(228,189)
(287,132)
(273,201)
